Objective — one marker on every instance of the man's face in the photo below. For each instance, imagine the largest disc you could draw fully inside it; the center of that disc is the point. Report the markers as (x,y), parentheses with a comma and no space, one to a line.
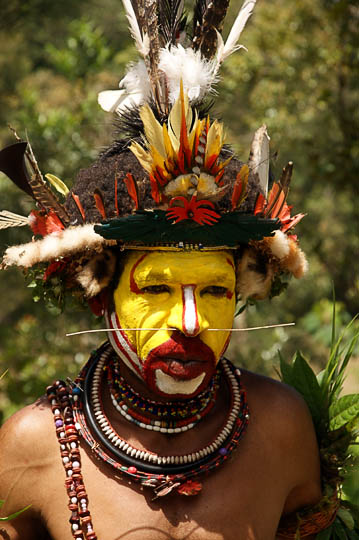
(174,297)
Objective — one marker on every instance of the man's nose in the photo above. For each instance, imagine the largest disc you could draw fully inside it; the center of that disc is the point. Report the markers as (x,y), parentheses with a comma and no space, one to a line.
(185,315)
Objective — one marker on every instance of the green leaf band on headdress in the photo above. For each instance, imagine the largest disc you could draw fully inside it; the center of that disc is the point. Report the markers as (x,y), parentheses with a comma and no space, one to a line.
(153,227)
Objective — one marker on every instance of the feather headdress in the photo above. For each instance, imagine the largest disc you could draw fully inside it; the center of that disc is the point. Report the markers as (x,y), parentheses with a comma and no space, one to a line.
(173,183)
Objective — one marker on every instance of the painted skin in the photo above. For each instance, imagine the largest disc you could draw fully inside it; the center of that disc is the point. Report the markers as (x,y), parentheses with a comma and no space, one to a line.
(189,292)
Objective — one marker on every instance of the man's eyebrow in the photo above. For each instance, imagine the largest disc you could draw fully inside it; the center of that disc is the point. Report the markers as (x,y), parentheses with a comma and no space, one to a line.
(164,277)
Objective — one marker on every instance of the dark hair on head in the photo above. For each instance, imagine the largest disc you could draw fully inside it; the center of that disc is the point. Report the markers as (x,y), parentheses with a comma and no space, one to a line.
(111,168)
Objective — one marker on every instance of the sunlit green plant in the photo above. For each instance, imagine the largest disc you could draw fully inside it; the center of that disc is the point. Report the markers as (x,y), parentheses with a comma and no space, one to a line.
(336,422)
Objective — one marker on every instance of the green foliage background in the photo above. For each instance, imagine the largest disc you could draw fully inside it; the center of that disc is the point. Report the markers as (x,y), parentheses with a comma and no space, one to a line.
(299,77)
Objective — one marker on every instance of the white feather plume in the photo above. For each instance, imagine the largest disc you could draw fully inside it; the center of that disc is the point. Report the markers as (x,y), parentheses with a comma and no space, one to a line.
(141,41)
(226,49)
(259,157)
(9,219)
(197,74)
(134,90)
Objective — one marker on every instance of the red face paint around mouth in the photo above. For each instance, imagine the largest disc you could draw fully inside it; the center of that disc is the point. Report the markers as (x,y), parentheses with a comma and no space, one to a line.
(181,357)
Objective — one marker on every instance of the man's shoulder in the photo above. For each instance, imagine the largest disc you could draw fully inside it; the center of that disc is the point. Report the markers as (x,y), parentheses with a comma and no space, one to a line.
(27,429)
(26,449)
(282,411)
(272,397)
(282,421)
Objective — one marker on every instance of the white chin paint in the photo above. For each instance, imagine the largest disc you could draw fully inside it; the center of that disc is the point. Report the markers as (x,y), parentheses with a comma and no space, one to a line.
(168,385)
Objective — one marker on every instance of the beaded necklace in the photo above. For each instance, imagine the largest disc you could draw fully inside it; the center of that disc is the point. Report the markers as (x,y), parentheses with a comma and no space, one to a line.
(171,417)
(78,411)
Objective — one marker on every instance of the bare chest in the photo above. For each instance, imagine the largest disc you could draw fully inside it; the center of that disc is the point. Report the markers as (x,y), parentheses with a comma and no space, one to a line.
(238,501)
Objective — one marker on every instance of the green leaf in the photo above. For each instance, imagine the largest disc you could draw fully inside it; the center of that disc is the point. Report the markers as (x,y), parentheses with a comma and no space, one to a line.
(325,535)
(339,530)
(15,514)
(1,376)
(286,370)
(337,387)
(345,515)
(333,317)
(305,382)
(332,367)
(58,184)
(345,410)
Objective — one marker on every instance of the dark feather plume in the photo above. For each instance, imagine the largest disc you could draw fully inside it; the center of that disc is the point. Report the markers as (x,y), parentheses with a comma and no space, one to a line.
(171,20)
(208,20)
(42,193)
(12,163)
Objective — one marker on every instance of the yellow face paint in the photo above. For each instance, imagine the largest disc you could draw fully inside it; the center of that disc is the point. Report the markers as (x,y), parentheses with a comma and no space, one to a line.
(189,292)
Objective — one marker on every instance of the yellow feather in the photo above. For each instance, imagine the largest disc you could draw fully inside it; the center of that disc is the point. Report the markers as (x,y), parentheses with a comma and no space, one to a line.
(214,139)
(157,158)
(142,155)
(175,117)
(197,129)
(167,142)
(153,129)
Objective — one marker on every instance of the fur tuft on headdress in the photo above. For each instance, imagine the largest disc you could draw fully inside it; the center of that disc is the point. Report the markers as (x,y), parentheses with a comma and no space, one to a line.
(62,244)
(97,273)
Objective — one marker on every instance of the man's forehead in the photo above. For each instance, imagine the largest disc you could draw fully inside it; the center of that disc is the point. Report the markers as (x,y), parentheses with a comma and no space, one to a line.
(180,266)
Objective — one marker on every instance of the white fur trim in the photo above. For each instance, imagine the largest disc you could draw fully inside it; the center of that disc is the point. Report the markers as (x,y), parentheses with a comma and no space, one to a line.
(59,244)
(279,245)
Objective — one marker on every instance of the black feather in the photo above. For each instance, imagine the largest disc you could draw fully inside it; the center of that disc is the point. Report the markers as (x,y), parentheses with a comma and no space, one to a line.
(172,20)
(12,163)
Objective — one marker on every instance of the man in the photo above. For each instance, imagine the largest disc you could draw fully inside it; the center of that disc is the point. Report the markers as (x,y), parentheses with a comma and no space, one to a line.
(160,436)
(274,471)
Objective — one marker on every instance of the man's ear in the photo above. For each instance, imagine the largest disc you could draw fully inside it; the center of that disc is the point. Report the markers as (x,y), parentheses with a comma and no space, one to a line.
(97,274)
(254,275)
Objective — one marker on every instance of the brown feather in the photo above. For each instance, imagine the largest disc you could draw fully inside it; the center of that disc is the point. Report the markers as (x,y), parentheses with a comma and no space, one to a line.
(208,21)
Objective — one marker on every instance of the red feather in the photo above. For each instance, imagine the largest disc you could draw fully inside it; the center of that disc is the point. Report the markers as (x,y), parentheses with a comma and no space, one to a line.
(116,197)
(79,205)
(99,203)
(154,190)
(44,224)
(131,188)
(260,203)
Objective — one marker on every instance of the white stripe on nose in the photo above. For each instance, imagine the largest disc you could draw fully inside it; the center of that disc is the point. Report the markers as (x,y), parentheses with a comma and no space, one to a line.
(189,314)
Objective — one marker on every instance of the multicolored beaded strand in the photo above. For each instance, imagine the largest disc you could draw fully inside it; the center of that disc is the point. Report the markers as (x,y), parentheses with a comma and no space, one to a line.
(61,406)
(124,398)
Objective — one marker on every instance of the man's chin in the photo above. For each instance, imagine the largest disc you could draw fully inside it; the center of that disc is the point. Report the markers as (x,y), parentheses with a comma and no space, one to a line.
(170,386)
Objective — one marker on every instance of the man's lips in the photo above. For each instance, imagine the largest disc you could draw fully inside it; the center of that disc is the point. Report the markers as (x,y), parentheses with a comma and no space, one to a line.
(180,368)
(181,358)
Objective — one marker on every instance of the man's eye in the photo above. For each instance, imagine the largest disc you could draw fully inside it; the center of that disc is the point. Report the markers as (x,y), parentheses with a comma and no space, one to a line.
(155,289)
(215,290)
